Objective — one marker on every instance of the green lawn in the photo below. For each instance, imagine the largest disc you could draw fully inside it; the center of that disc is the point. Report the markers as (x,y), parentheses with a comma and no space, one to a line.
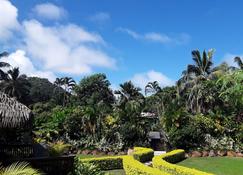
(116,172)
(216,165)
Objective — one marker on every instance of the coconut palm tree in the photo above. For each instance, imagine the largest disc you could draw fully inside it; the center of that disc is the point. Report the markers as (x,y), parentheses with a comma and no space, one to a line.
(15,84)
(239,62)
(152,87)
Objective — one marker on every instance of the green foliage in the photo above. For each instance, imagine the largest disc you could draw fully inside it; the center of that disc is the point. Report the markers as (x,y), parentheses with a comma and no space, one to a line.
(19,168)
(93,90)
(58,148)
(143,154)
(87,169)
(104,163)
(15,85)
(42,90)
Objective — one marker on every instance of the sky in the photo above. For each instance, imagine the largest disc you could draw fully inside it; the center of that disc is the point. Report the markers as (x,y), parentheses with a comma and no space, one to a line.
(136,40)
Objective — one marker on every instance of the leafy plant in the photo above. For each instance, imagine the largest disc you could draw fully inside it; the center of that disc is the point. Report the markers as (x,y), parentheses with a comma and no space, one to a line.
(87,169)
(19,168)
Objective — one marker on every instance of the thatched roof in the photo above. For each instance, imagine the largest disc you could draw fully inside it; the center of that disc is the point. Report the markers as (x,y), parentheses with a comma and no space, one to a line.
(12,113)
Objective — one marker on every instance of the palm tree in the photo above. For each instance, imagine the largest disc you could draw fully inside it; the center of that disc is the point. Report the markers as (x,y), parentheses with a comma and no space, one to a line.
(2,65)
(152,87)
(239,62)
(15,85)
(67,83)
(128,92)
(203,64)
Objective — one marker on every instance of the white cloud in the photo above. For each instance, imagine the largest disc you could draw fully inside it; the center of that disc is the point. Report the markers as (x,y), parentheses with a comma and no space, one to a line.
(100,17)
(8,19)
(65,49)
(142,79)
(229,59)
(50,11)
(19,59)
(179,39)
(157,37)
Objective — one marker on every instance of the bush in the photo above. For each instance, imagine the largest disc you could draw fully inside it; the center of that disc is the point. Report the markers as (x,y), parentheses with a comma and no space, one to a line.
(58,149)
(104,163)
(164,163)
(143,154)
(134,167)
(87,169)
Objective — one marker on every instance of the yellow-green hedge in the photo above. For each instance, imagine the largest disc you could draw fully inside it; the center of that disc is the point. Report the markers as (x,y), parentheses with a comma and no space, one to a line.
(134,167)
(105,163)
(143,154)
(164,163)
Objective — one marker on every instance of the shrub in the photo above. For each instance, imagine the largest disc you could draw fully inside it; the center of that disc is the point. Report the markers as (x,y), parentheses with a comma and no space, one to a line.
(104,163)
(58,149)
(134,167)
(143,154)
(163,162)
(87,169)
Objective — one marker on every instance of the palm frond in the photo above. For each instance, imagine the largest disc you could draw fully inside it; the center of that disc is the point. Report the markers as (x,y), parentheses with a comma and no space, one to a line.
(19,168)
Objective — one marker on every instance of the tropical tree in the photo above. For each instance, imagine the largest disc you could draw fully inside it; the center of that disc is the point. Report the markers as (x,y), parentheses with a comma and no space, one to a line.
(68,84)
(152,87)
(239,62)
(3,65)
(128,92)
(93,90)
(129,108)
(189,86)
(15,84)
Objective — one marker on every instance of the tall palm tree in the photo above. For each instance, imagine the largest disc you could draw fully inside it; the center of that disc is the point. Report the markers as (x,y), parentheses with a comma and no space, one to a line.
(128,92)
(3,65)
(202,63)
(189,85)
(15,84)
(67,83)
(152,87)
(239,62)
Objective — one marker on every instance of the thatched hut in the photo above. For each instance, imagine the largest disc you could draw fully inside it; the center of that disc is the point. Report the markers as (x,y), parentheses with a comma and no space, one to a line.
(13,114)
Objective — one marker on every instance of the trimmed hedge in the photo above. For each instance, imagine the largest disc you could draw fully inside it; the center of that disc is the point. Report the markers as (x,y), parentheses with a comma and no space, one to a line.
(105,163)
(134,167)
(143,154)
(164,163)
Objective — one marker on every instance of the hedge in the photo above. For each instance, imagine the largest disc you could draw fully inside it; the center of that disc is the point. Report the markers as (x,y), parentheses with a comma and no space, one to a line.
(143,154)
(105,163)
(164,163)
(134,167)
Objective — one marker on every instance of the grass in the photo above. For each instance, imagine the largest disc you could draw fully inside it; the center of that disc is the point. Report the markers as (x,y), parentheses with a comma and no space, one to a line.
(116,172)
(216,165)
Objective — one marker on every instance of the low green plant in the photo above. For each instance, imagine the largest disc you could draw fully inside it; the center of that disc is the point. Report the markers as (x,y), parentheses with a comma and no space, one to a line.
(84,168)
(19,168)
(58,148)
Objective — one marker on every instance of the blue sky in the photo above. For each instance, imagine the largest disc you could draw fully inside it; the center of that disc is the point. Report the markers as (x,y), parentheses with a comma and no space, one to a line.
(130,39)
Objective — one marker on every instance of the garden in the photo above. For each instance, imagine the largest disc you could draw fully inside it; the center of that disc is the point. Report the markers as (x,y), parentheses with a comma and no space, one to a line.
(88,128)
